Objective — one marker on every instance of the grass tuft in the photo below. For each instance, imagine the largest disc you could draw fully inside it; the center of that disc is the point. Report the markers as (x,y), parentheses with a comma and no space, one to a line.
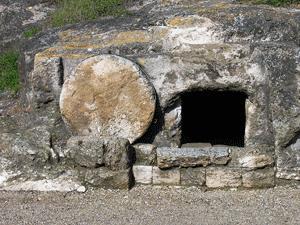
(73,11)
(9,74)
(31,32)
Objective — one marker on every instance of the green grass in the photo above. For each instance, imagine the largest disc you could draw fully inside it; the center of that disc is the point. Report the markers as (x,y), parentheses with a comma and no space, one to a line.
(273,2)
(73,11)
(31,32)
(9,74)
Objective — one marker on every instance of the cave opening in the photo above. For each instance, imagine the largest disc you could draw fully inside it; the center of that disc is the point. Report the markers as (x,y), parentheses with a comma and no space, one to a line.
(213,117)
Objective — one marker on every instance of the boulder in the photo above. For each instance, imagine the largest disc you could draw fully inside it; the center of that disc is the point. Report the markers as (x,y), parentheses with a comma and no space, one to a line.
(108,96)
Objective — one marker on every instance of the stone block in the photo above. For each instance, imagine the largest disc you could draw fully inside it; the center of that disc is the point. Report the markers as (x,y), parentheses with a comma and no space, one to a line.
(256,161)
(191,157)
(91,151)
(261,178)
(170,176)
(86,151)
(118,154)
(223,177)
(145,154)
(192,176)
(142,174)
(105,178)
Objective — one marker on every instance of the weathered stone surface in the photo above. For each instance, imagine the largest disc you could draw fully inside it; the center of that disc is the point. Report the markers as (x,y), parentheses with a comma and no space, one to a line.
(32,145)
(63,183)
(118,154)
(196,145)
(92,151)
(170,176)
(105,178)
(46,80)
(189,157)
(256,161)
(192,176)
(145,154)
(223,177)
(288,161)
(109,96)
(261,178)
(142,174)
(86,151)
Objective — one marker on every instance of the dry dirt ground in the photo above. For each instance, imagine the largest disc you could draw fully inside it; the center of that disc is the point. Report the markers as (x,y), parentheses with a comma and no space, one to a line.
(153,205)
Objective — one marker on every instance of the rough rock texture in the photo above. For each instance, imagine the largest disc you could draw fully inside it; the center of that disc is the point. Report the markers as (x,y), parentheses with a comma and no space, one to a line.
(86,151)
(92,151)
(189,157)
(259,178)
(18,16)
(32,146)
(108,179)
(145,154)
(108,95)
(192,176)
(165,50)
(223,178)
(288,162)
(166,177)
(256,161)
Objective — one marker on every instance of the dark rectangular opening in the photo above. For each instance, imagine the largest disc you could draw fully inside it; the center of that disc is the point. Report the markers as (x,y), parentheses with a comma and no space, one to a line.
(215,117)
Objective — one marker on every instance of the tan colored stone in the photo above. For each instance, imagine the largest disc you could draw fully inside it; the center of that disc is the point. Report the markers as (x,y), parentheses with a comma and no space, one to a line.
(259,178)
(256,161)
(108,95)
(222,178)
(170,176)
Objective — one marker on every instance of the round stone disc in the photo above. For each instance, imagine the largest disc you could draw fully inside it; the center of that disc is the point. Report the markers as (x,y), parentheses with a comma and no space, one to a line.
(108,95)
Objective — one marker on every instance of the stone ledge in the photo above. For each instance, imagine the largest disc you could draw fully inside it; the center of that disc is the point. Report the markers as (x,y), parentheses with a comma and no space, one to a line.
(190,157)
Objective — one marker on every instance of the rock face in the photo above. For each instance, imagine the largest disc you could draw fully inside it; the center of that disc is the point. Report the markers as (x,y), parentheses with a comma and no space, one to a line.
(109,96)
(126,78)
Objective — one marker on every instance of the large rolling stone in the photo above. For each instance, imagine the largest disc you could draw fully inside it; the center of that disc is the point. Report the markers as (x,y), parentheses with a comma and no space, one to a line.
(108,95)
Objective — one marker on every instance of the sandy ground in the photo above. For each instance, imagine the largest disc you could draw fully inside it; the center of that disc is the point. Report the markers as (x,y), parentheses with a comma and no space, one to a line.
(153,205)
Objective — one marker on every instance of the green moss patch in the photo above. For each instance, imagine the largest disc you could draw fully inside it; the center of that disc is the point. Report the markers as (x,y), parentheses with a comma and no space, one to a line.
(9,74)
(31,32)
(73,11)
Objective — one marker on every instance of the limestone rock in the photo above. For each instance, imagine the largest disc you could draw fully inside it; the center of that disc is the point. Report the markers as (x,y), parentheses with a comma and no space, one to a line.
(145,154)
(256,161)
(288,161)
(192,176)
(118,154)
(109,96)
(108,179)
(32,145)
(86,151)
(221,178)
(92,151)
(259,178)
(190,157)
(170,176)
(143,174)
